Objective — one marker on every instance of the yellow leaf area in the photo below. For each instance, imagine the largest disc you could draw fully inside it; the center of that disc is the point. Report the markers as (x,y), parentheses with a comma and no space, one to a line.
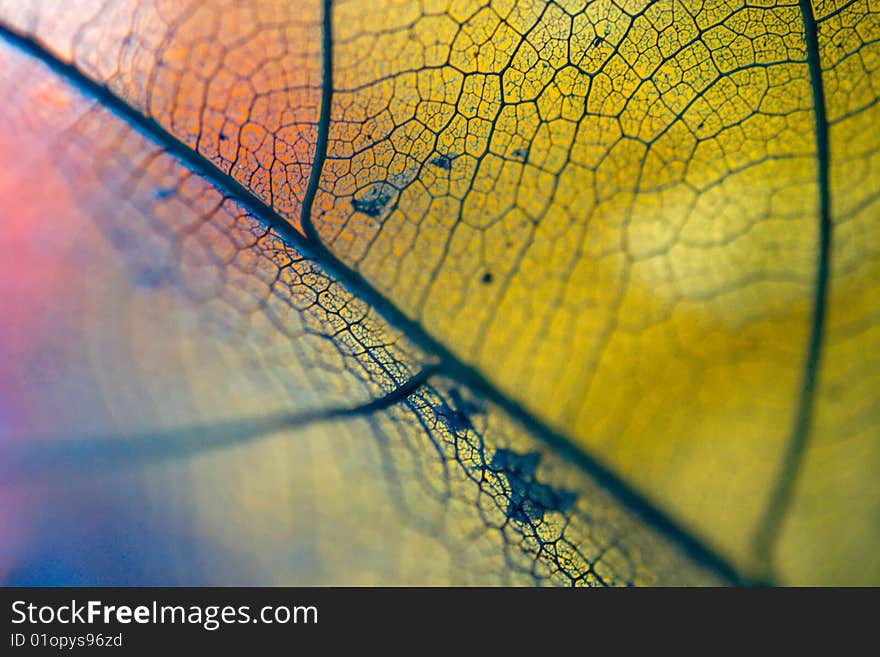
(610,210)
(184,385)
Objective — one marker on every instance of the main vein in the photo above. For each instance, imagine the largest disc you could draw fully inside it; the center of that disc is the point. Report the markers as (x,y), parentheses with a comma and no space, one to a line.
(781,496)
(313,248)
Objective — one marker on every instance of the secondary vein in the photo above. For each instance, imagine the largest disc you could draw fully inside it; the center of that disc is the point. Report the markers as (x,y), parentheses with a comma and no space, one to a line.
(40,456)
(782,494)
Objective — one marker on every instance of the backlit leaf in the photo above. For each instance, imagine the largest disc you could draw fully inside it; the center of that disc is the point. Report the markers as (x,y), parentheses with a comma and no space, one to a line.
(646,229)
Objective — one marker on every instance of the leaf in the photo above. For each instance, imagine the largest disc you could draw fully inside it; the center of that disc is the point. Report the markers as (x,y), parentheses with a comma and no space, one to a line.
(190,399)
(646,230)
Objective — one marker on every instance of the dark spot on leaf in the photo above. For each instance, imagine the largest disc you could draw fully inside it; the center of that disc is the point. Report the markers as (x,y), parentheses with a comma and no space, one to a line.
(373,200)
(598,41)
(529,498)
(470,406)
(442,161)
(458,414)
(164,192)
(487,278)
(521,154)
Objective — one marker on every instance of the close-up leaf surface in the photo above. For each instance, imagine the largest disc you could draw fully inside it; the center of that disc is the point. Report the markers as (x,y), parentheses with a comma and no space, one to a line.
(442,292)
